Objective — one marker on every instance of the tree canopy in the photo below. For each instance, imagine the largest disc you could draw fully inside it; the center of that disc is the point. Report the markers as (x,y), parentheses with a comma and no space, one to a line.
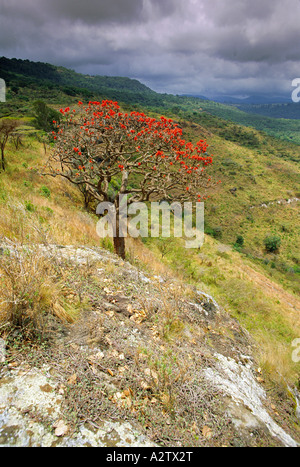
(146,158)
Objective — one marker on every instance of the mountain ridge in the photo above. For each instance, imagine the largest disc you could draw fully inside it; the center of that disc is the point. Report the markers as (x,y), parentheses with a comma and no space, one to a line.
(65,76)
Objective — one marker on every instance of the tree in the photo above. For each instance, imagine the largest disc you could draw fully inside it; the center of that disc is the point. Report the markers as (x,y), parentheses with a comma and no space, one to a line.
(7,128)
(239,241)
(272,243)
(98,144)
(44,116)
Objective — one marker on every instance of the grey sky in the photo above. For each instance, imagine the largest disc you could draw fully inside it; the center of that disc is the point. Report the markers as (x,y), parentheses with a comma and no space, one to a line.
(178,46)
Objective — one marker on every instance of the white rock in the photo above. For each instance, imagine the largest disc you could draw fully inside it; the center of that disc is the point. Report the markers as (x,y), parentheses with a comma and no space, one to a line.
(237,381)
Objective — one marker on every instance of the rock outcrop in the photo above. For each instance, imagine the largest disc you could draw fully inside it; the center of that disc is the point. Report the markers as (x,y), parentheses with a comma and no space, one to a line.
(150,361)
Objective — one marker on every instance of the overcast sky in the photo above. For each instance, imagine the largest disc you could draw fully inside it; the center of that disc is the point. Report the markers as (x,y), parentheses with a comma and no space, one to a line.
(209,47)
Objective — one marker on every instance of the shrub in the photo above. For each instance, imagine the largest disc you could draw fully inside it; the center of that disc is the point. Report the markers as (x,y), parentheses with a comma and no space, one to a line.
(239,240)
(217,232)
(29,206)
(272,243)
(45,191)
(44,116)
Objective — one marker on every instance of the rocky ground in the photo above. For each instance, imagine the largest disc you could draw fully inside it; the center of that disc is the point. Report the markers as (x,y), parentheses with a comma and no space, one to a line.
(150,361)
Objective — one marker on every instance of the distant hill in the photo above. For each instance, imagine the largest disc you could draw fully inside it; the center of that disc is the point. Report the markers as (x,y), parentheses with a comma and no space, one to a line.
(272,107)
(197,96)
(284,110)
(252,100)
(27,81)
(21,73)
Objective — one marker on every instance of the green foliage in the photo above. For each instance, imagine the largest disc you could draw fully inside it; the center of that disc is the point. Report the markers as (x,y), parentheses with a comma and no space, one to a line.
(240,135)
(3,193)
(272,243)
(215,232)
(45,191)
(29,206)
(286,110)
(239,240)
(44,116)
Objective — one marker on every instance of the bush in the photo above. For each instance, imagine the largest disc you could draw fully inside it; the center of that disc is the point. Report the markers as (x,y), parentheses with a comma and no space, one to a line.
(215,232)
(45,191)
(44,116)
(239,240)
(272,243)
(29,206)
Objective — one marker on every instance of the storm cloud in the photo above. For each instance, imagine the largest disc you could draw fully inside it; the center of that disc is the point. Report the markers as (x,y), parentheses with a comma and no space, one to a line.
(238,47)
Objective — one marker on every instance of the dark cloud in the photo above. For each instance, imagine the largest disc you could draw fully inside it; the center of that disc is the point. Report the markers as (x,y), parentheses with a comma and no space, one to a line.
(96,12)
(173,46)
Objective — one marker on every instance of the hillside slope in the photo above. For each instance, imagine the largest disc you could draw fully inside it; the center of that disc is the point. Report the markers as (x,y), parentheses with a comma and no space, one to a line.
(149,357)
(233,306)
(213,301)
(26,79)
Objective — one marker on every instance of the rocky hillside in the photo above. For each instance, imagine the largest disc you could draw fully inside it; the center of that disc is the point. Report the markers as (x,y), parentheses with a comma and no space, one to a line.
(147,361)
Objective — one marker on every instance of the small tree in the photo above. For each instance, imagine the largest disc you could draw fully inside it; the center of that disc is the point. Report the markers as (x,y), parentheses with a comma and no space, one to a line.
(7,128)
(272,243)
(149,158)
(239,241)
(44,116)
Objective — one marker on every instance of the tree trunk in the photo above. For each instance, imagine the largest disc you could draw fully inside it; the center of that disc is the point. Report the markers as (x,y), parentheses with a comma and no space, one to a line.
(119,242)
(2,159)
(119,246)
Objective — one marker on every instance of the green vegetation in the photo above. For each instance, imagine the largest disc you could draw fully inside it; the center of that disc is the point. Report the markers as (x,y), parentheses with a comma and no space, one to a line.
(272,243)
(286,111)
(208,112)
(44,116)
(29,81)
(239,241)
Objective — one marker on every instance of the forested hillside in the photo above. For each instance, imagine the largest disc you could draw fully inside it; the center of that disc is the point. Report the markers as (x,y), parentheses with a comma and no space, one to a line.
(25,79)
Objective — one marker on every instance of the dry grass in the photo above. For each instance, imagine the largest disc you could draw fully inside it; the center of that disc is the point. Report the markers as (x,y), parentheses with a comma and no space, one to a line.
(31,291)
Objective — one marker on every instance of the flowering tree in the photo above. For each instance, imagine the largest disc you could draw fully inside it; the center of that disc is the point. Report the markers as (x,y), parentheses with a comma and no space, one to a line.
(98,144)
